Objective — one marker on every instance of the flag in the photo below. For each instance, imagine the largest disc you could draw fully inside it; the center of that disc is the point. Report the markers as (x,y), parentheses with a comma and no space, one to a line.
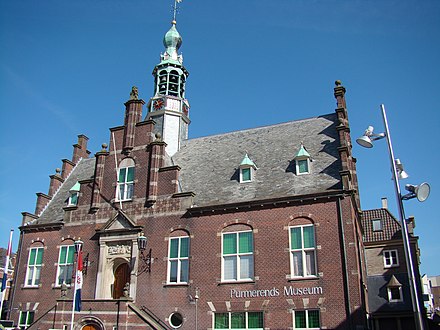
(78,282)
(8,255)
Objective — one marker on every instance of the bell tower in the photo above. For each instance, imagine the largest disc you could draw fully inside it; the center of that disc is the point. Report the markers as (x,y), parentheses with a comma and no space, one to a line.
(168,107)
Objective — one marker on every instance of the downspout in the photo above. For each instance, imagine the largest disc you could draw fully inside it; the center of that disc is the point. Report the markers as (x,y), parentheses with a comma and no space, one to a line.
(344,265)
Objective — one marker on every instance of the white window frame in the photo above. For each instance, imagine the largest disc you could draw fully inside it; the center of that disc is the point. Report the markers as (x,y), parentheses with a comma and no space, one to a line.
(73,198)
(300,159)
(230,320)
(126,186)
(251,174)
(304,252)
(379,221)
(237,255)
(27,315)
(307,319)
(388,258)
(390,297)
(33,272)
(179,259)
(66,264)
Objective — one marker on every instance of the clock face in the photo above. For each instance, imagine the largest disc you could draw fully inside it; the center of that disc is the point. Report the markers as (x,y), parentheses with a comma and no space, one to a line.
(158,104)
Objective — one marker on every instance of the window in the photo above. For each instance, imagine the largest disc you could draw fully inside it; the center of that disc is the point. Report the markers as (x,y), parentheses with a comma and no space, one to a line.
(377,224)
(176,320)
(394,294)
(125,180)
(73,199)
(238,320)
(65,265)
(35,262)
(247,169)
(26,319)
(178,260)
(237,256)
(307,319)
(302,161)
(390,258)
(302,251)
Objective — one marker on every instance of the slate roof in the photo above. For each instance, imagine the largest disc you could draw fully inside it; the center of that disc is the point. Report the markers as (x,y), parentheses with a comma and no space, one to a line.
(210,165)
(54,211)
(390,226)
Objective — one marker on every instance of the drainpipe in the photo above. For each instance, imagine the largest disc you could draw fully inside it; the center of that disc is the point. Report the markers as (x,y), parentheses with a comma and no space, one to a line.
(344,265)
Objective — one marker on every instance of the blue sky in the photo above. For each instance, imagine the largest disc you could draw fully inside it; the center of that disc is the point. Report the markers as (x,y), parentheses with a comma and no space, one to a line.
(67,67)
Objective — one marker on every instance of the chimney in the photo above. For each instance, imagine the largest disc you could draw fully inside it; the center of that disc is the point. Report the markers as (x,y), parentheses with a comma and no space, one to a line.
(384,203)
(99,177)
(133,115)
(411,222)
(80,149)
(157,158)
(55,182)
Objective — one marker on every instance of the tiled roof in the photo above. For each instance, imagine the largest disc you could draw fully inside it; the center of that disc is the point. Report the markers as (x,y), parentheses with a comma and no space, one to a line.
(390,226)
(209,165)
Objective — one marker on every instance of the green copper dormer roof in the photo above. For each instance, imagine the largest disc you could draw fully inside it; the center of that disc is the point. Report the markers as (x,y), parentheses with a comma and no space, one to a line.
(247,162)
(75,187)
(302,152)
(172,42)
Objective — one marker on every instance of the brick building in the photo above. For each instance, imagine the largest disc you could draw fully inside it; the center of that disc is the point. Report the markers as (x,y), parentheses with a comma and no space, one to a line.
(389,297)
(254,229)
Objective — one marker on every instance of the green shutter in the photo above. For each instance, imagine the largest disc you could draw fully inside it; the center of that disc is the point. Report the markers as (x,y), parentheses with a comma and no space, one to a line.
(314,319)
(221,321)
(229,243)
(245,242)
(309,237)
(246,174)
(63,254)
(122,174)
(238,320)
(300,319)
(39,256)
(255,320)
(30,318)
(70,254)
(303,166)
(184,247)
(32,257)
(130,174)
(295,238)
(174,248)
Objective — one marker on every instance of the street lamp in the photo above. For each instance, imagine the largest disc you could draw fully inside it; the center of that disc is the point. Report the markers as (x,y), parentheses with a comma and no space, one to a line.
(145,258)
(421,192)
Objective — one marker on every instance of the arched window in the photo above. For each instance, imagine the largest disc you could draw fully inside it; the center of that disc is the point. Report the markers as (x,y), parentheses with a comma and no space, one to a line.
(65,264)
(173,88)
(302,250)
(237,254)
(163,77)
(178,258)
(125,188)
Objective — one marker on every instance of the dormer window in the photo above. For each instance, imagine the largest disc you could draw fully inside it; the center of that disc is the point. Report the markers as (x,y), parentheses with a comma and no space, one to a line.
(74,194)
(302,161)
(247,169)
(394,288)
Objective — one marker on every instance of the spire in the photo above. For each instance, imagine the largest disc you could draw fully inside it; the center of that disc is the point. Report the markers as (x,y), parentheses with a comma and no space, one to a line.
(168,107)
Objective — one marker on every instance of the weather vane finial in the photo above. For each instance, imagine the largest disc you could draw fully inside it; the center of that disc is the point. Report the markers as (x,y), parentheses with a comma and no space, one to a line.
(175,10)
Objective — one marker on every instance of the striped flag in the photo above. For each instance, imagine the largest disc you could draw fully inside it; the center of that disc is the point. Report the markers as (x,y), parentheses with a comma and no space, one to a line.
(78,282)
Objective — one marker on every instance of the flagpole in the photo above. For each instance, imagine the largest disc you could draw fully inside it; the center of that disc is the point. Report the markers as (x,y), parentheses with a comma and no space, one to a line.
(5,272)
(78,247)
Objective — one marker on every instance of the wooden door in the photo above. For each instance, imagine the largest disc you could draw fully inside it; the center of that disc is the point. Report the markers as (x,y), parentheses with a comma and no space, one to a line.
(122,276)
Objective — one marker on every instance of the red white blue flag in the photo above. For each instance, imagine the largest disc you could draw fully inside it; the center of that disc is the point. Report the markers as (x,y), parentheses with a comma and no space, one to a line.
(78,282)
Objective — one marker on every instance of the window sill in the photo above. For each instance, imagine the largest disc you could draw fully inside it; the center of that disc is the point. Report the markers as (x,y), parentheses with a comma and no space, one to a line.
(31,286)
(70,207)
(175,285)
(237,282)
(305,278)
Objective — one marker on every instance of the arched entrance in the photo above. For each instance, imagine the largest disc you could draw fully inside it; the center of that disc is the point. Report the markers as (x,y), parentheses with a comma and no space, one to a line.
(90,327)
(122,276)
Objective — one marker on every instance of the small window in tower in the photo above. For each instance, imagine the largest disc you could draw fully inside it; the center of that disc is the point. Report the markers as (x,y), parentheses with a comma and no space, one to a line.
(302,161)
(247,169)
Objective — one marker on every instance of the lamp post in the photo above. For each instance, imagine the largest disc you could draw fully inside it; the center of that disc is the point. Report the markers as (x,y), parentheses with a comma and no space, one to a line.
(421,192)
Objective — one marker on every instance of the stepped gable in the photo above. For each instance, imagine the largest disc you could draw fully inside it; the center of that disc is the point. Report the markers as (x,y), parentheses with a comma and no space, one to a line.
(54,211)
(209,165)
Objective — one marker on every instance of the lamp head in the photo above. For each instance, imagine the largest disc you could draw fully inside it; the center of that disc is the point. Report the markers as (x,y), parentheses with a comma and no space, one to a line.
(367,139)
(421,191)
(142,242)
(78,245)
(364,141)
(400,171)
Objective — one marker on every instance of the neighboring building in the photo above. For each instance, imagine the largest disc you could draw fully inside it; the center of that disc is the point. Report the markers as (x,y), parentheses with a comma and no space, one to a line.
(9,277)
(254,229)
(428,297)
(435,289)
(389,297)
